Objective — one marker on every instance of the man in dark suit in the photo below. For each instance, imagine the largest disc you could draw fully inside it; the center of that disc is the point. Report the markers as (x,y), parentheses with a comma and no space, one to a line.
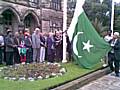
(28,45)
(10,45)
(114,54)
(58,46)
(16,52)
(69,48)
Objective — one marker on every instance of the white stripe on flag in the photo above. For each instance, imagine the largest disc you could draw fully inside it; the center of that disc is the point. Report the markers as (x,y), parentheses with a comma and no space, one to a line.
(78,11)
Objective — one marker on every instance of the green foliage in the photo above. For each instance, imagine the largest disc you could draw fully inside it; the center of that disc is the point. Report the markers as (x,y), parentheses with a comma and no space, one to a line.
(117,24)
(99,27)
(117,18)
(98,13)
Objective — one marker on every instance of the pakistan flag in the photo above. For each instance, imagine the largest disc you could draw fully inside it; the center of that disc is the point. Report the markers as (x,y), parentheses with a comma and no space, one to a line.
(87,46)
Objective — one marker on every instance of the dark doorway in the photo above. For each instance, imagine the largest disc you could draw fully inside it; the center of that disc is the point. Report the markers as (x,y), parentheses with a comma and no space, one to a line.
(30,22)
(10,20)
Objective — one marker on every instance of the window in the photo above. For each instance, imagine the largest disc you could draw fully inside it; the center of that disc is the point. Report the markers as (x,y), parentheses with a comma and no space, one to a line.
(71,6)
(56,4)
(33,3)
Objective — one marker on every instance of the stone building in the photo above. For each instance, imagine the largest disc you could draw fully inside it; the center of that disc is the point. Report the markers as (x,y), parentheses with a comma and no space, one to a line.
(70,10)
(20,14)
(52,15)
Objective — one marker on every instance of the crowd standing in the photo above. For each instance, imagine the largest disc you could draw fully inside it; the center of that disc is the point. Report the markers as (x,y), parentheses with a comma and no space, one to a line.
(38,47)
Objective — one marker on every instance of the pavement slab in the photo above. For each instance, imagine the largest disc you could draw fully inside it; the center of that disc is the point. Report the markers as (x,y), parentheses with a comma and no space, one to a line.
(107,82)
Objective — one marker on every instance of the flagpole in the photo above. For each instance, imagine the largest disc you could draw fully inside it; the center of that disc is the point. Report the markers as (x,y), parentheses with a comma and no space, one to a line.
(64,29)
(112,16)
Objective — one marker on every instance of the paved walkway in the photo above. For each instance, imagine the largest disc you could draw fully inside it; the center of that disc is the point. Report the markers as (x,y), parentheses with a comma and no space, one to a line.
(107,82)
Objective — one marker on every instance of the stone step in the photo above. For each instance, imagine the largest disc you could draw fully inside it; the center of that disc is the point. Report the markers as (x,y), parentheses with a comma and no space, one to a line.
(75,84)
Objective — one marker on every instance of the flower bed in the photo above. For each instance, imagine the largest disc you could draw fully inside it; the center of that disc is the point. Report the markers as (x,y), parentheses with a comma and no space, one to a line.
(32,72)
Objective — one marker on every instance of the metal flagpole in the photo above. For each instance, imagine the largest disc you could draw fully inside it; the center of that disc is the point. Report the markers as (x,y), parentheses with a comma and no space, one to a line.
(112,16)
(64,29)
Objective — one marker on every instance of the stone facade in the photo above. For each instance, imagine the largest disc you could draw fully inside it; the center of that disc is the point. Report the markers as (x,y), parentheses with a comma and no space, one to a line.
(70,11)
(20,14)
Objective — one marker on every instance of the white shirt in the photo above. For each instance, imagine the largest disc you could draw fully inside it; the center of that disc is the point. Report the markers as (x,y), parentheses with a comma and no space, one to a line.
(1,40)
(113,44)
(107,38)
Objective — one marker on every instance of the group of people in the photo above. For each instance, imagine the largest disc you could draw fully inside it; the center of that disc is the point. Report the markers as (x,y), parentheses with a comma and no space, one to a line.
(21,47)
(114,54)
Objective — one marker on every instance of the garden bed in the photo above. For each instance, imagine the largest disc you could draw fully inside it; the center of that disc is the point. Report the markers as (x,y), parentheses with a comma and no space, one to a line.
(32,72)
(73,72)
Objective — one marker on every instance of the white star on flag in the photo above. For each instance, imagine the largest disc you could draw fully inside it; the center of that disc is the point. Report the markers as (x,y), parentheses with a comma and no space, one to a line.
(87,46)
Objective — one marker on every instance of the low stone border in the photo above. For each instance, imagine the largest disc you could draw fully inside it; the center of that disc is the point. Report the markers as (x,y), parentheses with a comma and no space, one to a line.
(75,84)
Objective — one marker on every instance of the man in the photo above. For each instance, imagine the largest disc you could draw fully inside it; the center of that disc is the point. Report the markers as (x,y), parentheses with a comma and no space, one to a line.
(10,45)
(36,45)
(28,44)
(1,47)
(50,48)
(58,46)
(69,48)
(16,52)
(107,38)
(114,54)
(43,46)
(21,36)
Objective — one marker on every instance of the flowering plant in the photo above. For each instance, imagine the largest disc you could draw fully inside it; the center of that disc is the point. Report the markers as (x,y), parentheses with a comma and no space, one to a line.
(31,72)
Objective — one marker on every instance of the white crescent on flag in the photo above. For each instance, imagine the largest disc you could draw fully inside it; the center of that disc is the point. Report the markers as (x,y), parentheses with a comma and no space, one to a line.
(75,50)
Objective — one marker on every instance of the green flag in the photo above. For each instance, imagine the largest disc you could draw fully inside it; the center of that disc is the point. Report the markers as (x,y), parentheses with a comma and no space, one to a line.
(88,47)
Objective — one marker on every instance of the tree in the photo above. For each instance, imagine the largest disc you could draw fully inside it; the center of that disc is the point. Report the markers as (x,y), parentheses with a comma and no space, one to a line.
(98,13)
(117,18)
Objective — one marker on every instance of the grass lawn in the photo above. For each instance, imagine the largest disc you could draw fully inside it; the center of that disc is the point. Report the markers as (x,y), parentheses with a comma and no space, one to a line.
(73,71)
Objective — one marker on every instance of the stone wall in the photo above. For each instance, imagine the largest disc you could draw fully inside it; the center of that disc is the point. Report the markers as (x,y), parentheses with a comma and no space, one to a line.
(43,16)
